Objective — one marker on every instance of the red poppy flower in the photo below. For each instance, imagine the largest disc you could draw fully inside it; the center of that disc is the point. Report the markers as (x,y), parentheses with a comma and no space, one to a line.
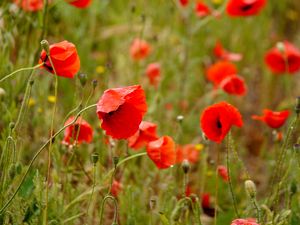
(217,72)
(244,7)
(202,9)
(273,119)
(64,58)
(30,5)
(205,200)
(249,221)
(223,173)
(80,3)
(216,120)
(184,2)
(162,152)
(145,134)
(223,54)
(234,85)
(116,188)
(188,152)
(153,72)
(121,111)
(139,49)
(80,131)
(283,60)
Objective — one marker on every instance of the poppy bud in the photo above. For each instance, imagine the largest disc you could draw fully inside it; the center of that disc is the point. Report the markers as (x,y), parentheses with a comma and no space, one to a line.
(185,166)
(115,160)
(45,46)
(12,125)
(250,188)
(293,187)
(297,107)
(95,158)
(82,78)
(280,46)
(95,83)
(2,94)
(180,118)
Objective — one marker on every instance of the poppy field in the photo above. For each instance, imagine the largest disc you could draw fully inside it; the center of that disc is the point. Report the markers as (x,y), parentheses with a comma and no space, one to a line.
(163,112)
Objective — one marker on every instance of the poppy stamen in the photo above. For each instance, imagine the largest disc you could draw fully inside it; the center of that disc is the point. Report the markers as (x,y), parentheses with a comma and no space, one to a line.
(246,7)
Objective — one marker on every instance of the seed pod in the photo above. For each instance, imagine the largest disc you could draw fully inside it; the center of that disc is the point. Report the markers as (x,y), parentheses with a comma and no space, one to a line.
(95,157)
(45,46)
(83,79)
(185,166)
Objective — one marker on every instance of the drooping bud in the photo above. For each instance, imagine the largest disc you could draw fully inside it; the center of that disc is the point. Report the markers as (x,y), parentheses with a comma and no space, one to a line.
(185,166)
(45,46)
(250,188)
(12,125)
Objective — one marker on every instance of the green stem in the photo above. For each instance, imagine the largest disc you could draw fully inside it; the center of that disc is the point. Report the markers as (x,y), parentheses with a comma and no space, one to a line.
(20,70)
(228,145)
(102,208)
(38,153)
(93,188)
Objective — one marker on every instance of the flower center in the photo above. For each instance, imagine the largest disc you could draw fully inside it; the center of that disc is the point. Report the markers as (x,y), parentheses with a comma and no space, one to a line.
(219,125)
(246,7)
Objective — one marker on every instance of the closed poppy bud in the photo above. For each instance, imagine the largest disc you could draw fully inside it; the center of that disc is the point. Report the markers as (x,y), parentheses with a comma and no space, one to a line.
(95,157)
(121,111)
(217,72)
(94,83)
(82,78)
(30,5)
(145,134)
(272,118)
(250,188)
(139,49)
(80,131)
(153,72)
(216,120)
(236,8)
(283,59)
(80,3)
(64,58)
(162,152)
(185,166)
(45,46)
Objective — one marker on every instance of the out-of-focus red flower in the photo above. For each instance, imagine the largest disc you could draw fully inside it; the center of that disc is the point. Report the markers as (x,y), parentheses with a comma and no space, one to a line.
(139,49)
(273,119)
(116,188)
(234,85)
(64,58)
(223,173)
(184,2)
(30,5)
(283,60)
(249,221)
(121,111)
(201,9)
(162,152)
(216,120)
(188,152)
(80,3)
(145,134)
(205,200)
(221,53)
(217,72)
(153,72)
(80,131)
(237,8)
